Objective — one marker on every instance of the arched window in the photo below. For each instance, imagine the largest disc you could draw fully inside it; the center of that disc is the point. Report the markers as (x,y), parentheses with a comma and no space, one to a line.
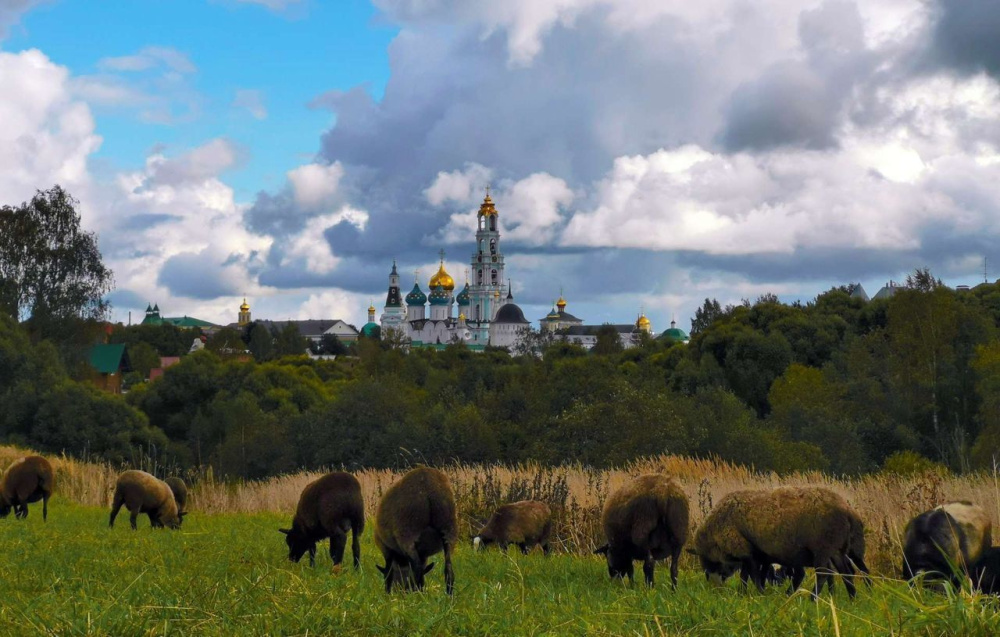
(493,246)
(479,276)
(493,223)
(494,277)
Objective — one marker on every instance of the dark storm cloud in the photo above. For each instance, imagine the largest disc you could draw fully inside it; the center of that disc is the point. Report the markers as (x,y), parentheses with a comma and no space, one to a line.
(141,222)
(965,35)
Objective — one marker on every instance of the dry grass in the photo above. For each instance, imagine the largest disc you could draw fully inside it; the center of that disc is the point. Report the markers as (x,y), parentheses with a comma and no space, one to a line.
(884,502)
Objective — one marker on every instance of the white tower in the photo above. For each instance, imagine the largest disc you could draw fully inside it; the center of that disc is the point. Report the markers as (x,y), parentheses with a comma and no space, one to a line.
(487,273)
(393,314)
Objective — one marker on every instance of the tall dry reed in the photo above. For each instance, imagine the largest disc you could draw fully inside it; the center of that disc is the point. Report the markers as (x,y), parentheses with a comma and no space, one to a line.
(576,493)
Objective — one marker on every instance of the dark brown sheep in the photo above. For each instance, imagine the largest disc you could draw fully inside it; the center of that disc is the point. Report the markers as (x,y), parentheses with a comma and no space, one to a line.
(796,527)
(328,508)
(415,520)
(647,519)
(524,523)
(180,491)
(28,479)
(141,492)
(946,540)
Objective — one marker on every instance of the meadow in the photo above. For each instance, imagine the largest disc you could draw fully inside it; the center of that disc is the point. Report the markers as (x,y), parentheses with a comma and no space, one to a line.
(226,571)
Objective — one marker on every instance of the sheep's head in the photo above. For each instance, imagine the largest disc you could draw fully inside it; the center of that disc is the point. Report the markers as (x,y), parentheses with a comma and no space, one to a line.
(717,569)
(619,562)
(404,575)
(481,542)
(298,543)
(171,521)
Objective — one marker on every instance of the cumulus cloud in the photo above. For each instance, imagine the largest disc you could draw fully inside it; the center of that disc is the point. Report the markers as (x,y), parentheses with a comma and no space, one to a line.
(311,245)
(313,185)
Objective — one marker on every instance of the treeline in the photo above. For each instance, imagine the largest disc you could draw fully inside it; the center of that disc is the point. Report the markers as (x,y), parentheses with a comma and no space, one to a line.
(837,384)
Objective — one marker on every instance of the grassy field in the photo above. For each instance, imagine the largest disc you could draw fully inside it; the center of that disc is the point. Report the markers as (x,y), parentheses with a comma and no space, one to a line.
(227,574)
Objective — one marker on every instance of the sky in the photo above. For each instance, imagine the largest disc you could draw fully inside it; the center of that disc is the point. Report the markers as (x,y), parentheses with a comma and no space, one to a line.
(644,154)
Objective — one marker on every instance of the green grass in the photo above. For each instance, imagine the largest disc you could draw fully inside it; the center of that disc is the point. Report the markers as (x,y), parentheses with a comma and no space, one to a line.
(228,575)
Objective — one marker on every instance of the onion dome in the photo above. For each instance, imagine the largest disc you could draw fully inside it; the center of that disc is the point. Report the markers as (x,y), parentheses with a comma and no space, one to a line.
(371,330)
(561,303)
(510,313)
(461,316)
(487,209)
(644,324)
(443,279)
(245,307)
(371,308)
(463,296)
(553,315)
(439,296)
(416,296)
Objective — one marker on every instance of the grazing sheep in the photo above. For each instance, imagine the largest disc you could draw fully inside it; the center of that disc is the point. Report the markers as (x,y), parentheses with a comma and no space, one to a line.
(416,519)
(647,519)
(140,492)
(180,492)
(328,508)
(945,541)
(28,479)
(796,527)
(524,523)
(986,572)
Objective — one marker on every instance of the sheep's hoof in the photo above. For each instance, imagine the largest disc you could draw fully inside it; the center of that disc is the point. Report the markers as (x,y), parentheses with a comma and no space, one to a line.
(337,568)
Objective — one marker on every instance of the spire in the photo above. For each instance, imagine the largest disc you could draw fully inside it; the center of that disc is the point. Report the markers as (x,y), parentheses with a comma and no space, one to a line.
(510,291)
(393,268)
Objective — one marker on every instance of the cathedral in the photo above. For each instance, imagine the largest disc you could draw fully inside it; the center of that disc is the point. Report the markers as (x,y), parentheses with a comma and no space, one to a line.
(486,312)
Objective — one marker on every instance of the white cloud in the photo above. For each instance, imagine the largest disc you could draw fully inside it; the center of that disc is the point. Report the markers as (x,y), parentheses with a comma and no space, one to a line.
(311,246)
(313,185)
(150,57)
(11,12)
(252,101)
(461,186)
(334,304)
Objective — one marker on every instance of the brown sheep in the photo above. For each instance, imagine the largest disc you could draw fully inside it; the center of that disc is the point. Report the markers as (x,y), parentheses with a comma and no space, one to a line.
(524,523)
(796,527)
(647,519)
(416,519)
(946,541)
(180,491)
(328,507)
(28,479)
(141,492)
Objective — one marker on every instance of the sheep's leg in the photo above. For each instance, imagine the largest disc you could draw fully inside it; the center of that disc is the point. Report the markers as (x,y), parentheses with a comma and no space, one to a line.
(744,576)
(824,576)
(648,565)
(312,555)
(133,517)
(356,548)
(504,546)
(797,574)
(45,507)
(675,557)
(115,508)
(524,548)
(338,541)
(546,549)
(449,571)
(846,571)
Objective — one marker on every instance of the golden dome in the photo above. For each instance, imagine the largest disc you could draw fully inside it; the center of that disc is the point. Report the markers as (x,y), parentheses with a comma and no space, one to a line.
(371,308)
(461,316)
(644,324)
(245,307)
(443,279)
(561,303)
(487,208)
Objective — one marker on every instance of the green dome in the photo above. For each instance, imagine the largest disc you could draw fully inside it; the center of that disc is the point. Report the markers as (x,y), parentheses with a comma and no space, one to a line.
(416,296)
(371,330)
(463,296)
(553,315)
(439,296)
(674,334)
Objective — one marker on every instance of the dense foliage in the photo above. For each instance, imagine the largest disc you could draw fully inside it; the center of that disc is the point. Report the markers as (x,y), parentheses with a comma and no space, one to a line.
(837,384)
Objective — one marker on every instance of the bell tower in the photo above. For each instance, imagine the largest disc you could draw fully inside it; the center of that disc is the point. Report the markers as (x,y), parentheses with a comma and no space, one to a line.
(487,272)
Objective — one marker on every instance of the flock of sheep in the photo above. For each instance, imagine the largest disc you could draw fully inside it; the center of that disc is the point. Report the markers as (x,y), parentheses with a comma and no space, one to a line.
(766,535)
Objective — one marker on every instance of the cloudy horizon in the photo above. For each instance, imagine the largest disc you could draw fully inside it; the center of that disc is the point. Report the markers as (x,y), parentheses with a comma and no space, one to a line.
(643,154)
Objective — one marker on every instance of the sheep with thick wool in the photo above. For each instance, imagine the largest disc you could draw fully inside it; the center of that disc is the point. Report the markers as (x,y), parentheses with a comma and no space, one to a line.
(329,507)
(27,480)
(525,523)
(647,520)
(795,527)
(946,540)
(141,492)
(416,519)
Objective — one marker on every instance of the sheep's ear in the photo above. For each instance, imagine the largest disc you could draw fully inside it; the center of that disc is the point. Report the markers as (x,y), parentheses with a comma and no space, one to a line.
(427,569)
(602,550)
(383,569)
(285,531)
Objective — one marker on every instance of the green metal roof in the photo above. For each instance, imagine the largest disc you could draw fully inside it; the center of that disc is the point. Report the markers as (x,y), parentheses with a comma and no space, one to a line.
(371,329)
(107,359)
(188,321)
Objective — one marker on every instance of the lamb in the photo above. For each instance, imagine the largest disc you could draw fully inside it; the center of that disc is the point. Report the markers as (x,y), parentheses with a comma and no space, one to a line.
(28,479)
(986,572)
(140,492)
(647,519)
(946,540)
(328,507)
(525,523)
(796,527)
(416,519)
(180,492)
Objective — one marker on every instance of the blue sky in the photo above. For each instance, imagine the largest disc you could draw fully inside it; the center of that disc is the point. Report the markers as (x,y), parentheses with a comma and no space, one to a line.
(644,154)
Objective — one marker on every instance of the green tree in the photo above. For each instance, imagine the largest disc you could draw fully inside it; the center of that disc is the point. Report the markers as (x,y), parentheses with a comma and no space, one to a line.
(260,342)
(51,270)
(608,343)
(289,341)
(144,357)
